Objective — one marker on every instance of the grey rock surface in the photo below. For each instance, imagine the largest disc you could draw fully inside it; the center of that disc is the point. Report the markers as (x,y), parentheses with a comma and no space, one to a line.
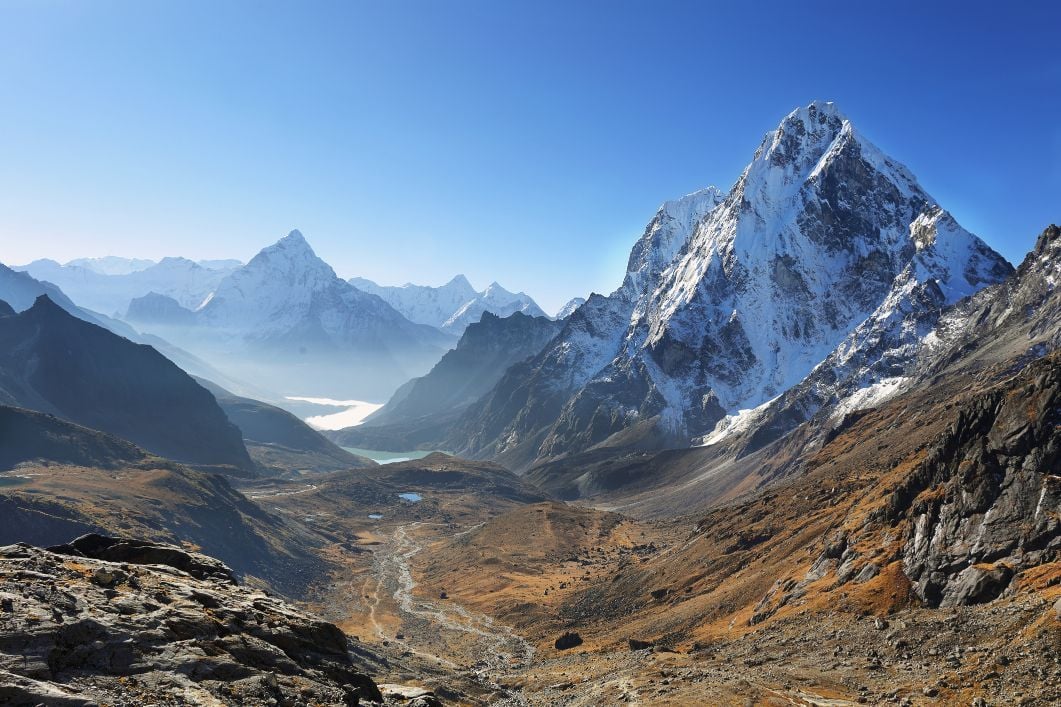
(155,624)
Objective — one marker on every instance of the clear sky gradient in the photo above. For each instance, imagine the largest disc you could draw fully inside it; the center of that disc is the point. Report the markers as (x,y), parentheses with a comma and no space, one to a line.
(524,142)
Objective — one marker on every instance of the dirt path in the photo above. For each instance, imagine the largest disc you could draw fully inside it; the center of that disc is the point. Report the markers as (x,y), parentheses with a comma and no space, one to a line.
(276,494)
(442,629)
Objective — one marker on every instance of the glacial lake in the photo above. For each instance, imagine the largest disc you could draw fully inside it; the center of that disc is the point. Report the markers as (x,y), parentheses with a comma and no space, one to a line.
(410,497)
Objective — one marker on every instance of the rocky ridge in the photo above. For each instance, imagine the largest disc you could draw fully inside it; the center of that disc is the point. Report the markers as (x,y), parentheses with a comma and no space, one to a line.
(109,621)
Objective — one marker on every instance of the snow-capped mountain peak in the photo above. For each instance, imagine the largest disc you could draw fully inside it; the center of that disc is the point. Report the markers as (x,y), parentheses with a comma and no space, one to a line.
(824,244)
(293,247)
(572,304)
(453,306)
(290,262)
(276,287)
(460,283)
(815,234)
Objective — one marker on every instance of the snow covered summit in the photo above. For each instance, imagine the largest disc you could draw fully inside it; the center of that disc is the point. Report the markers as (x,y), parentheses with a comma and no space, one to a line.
(453,306)
(823,245)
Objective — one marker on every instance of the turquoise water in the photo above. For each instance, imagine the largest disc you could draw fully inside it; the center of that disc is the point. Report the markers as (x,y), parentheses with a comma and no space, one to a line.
(388,457)
(413,497)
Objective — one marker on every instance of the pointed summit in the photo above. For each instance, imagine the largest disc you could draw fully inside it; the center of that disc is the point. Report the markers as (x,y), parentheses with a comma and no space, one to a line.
(44,304)
(291,255)
(294,242)
(460,281)
(1049,240)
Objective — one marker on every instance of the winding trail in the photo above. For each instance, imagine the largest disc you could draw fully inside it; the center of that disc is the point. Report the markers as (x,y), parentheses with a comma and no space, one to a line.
(497,649)
(276,494)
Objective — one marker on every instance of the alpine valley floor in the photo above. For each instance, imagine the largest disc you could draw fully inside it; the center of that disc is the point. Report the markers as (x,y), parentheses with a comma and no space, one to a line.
(478,585)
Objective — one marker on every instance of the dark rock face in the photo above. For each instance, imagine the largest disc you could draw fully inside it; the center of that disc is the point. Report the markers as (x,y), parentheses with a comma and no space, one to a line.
(511,421)
(485,351)
(52,362)
(995,494)
(77,630)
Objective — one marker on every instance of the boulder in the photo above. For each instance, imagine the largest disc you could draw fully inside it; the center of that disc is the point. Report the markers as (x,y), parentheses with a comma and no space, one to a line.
(567,640)
(141,552)
(977,585)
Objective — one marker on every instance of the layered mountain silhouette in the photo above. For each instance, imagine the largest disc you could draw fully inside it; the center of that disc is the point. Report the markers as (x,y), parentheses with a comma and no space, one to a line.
(52,362)
(421,413)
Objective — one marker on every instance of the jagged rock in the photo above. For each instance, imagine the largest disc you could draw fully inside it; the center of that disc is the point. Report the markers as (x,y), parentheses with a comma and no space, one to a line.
(567,640)
(994,512)
(639,645)
(16,690)
(89,630)
(141,552)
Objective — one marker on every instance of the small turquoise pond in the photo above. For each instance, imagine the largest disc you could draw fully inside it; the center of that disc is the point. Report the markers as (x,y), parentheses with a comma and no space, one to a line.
(411,497)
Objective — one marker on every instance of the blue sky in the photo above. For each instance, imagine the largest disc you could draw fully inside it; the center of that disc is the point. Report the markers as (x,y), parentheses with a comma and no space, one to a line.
(527,142)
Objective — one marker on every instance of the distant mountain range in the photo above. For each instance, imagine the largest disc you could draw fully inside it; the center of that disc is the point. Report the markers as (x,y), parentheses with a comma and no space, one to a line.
(453,306)
(108,284)
(283,324)
(287,323)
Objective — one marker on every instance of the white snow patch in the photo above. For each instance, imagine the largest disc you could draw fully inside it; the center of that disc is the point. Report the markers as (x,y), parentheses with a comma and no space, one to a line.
(734,424)
(870,396)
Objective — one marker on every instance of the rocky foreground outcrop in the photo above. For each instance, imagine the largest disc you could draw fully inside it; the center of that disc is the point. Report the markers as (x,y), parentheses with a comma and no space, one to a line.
(121,622)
